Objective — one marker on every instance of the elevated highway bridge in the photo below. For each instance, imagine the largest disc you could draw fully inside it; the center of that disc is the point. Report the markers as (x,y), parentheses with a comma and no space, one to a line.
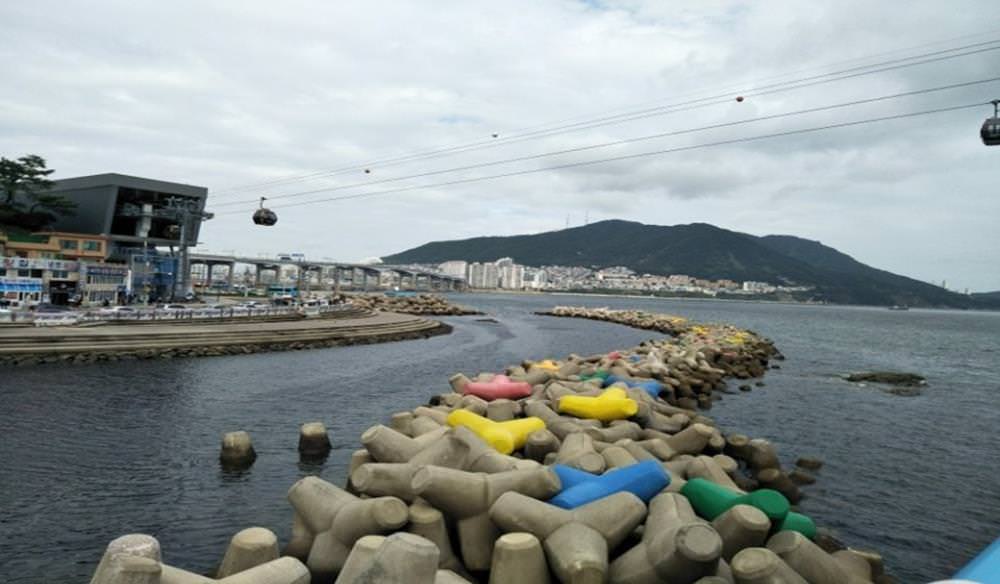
(331,275)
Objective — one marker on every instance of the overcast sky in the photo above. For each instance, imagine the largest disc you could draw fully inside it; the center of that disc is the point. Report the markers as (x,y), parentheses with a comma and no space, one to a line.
(232,94)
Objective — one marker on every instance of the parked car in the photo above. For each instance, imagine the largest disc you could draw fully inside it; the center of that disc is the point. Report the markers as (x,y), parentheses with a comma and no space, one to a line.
(118,310)
(173,307)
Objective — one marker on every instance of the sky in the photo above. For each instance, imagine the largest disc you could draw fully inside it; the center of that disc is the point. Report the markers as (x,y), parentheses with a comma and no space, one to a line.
(258,98)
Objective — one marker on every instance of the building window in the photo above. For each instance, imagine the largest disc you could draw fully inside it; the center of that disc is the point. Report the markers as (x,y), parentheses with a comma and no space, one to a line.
(60,274)
(68,244)
(91,246)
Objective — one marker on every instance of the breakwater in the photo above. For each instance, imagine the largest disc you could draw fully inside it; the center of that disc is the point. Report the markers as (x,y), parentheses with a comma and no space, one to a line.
(174,339)
(450,463)
(420,304)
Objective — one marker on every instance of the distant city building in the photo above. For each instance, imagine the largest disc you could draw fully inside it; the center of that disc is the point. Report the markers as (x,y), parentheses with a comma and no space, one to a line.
(511,275)
(536,279)
(678,280)
(483,275)
(758,287)
(456,268)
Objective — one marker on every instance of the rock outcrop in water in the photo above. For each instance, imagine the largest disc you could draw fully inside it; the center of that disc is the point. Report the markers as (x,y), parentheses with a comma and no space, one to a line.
(889,377)
(433,497)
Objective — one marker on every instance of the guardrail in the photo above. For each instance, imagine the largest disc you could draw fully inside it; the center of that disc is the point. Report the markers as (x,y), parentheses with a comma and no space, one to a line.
(165,315)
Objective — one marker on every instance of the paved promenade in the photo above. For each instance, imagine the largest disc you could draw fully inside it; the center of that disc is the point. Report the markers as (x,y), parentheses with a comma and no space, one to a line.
(121,338)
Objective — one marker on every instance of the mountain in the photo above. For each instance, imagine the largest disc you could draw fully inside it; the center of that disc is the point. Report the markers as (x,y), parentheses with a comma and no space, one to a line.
(850,281)
(704,251)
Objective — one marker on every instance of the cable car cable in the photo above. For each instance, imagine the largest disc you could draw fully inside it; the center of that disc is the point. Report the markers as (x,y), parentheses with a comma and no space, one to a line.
(628,140)
(641,114)
(705,145)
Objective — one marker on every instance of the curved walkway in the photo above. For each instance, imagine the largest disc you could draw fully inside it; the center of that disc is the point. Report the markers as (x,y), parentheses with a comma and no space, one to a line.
(19,345)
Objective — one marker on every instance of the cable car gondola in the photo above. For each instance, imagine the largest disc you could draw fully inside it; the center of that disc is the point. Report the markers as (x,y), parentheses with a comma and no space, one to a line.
(263,216)
(991,127)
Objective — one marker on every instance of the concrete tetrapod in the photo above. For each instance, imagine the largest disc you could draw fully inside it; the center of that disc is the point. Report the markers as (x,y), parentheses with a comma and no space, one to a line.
(650,386)
(314,443)
(505,437)
(249,548)
(400,557)
(336,519)
(706,467)
(467,497)
(381,479)
(237,451)
(555,423)
(499,387)
(741,526)
(547,365)
(281,571)
(518,558)
(855,564)
(807,558)
(459,448)
(360,558)
(617,457)
(711,500)
(429,523)
(129,559)
(388,445)
(762,566)
(540,443)
(642,479)
(480,456)
(612,404)
(676,546)
(577,450)
(577,542)
(618,430)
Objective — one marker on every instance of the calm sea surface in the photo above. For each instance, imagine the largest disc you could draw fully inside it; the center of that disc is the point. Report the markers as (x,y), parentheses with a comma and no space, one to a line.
(91,452)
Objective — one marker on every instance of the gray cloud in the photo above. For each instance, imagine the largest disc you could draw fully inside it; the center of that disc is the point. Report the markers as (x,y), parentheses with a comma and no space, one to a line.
(230,94)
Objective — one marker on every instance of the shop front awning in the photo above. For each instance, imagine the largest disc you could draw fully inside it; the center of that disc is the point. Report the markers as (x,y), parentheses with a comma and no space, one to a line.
(20,287)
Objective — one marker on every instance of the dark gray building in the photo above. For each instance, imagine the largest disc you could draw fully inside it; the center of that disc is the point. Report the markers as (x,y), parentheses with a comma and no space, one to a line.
(132,210)
(139,215)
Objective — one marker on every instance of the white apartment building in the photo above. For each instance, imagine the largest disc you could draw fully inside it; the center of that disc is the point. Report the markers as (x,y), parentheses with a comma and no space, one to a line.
(484,276)
(455,268)
(512,277)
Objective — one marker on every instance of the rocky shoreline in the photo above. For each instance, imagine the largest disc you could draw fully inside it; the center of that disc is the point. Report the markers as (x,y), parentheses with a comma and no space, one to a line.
(592,469)
(420,304)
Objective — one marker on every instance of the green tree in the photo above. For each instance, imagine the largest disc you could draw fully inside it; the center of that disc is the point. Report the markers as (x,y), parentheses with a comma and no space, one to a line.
(26,203)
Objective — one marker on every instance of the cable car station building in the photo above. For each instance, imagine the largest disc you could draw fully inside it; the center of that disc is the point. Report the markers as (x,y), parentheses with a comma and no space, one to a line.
(107,250)
(138,215)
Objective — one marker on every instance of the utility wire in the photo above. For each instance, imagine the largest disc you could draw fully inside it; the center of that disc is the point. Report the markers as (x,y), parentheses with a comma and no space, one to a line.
(631,156)
(842,74)
(624,141)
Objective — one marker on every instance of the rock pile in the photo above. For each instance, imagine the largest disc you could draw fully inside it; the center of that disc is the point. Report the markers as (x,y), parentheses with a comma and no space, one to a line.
(472,489)
(425,304)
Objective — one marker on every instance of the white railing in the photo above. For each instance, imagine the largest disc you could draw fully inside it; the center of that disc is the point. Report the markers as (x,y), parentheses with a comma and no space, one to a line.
(164,315)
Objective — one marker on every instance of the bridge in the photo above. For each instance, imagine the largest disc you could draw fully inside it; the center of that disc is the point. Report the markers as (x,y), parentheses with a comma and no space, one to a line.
(325,275)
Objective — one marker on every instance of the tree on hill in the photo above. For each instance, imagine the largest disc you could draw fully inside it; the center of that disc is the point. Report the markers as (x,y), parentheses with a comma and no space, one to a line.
(26,202)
